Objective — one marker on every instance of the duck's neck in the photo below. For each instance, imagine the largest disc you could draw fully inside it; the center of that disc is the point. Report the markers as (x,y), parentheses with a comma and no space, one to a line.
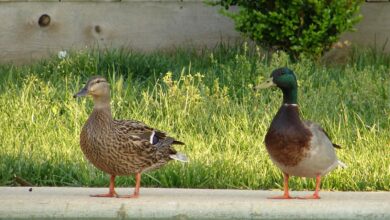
(290,95)
(102,107)
(101,102)
(289,111)
(288,115)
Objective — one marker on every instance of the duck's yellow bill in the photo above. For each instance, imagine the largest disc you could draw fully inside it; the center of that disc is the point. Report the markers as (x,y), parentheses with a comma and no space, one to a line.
(266,84)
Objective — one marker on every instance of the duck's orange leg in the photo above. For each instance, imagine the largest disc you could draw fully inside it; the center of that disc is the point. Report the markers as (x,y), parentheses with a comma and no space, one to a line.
(136,190)
(111,192)
(316,194)
(286,194)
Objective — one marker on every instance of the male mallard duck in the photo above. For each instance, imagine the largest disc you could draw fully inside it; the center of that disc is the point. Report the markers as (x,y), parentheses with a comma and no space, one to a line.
(121,147)
(298,148)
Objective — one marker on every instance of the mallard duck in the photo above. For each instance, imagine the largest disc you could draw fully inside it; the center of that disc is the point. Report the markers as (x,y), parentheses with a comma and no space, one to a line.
(298,148)
(121,147)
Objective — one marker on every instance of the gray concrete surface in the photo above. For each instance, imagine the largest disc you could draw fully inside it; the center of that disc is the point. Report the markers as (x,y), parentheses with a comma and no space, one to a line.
(75,203)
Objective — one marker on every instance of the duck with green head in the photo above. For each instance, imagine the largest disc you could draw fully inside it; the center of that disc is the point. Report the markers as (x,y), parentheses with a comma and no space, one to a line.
(298,148)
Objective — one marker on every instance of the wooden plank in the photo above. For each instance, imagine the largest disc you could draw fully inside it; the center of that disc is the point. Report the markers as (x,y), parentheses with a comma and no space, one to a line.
(371,1)
(90,0)
(8,1)
(27,34)
(35,30)
(102,1)
(162,1)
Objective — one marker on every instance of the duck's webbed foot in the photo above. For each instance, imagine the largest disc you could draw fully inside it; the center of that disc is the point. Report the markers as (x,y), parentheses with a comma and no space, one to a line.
(286,194)
(111,192)
(316,194)
(136,190)
(282,197)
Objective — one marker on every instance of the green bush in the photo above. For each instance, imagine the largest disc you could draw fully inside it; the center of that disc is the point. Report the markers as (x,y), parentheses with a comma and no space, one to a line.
(308,27)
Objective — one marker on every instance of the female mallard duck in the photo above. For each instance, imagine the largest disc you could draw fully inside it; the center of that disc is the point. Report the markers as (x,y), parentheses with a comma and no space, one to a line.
(121,147)
(298,148)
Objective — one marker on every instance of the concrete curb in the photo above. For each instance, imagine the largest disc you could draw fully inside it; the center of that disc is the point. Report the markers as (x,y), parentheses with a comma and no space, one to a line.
(74,203)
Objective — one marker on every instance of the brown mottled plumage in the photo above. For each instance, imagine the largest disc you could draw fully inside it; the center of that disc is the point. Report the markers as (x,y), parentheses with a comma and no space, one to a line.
(121,147)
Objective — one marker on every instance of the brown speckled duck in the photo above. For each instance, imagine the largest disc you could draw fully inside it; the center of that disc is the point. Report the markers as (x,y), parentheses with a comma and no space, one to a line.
(121,147)
(298,148)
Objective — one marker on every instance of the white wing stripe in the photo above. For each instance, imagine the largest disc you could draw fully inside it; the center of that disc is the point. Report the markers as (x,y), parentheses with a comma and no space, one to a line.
(152,136)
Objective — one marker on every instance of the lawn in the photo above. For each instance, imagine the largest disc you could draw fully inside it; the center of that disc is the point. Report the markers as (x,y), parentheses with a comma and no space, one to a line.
(203,98)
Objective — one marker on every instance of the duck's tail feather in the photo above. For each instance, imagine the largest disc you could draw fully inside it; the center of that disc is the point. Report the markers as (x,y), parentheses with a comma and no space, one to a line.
(178,142)
(157,140)
(336,146)
(167,142)
(179,157)
(342,165)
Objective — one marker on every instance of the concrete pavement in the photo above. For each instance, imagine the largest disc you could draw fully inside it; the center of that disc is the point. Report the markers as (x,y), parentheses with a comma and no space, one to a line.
(75,203)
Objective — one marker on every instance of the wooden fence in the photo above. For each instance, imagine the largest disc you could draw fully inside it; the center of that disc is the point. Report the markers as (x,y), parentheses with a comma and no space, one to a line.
(34,29)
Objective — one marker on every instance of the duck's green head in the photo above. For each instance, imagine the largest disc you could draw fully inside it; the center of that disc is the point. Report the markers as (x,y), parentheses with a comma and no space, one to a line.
(285,79)
(97,86)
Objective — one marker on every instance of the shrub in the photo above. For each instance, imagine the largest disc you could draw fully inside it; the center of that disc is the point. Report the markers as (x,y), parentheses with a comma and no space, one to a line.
(298,27)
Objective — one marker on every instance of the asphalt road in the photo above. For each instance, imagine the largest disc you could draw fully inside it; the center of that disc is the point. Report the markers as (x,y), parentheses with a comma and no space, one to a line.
(75,203)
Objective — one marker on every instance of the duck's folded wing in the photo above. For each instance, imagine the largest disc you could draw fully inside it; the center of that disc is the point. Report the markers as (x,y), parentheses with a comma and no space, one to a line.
(137,128)
(146,145)
(319,128)
(134,127)
(139,152)
(144,153)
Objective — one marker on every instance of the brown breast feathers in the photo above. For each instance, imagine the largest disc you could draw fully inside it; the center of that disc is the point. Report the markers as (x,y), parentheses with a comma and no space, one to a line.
(287,139)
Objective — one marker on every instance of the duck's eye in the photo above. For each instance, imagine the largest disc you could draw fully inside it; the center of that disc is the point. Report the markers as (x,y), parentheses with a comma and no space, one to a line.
(99,81)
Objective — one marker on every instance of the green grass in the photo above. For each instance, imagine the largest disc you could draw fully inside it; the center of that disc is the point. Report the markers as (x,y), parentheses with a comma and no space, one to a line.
(203,98)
